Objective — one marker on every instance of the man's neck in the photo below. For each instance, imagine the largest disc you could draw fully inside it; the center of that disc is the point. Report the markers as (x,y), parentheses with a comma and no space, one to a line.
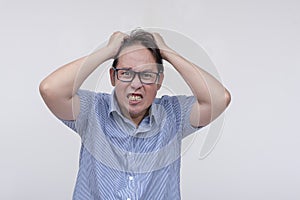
(138,119)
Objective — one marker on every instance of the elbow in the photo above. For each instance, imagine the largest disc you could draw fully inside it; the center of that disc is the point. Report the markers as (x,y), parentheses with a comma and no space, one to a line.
(227,98)
(43,88)
(46,91)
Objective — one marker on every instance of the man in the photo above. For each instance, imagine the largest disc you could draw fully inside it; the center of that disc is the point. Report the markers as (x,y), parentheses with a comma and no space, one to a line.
(131,140)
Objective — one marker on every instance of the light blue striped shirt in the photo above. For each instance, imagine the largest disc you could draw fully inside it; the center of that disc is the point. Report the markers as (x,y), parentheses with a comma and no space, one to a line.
(121,161)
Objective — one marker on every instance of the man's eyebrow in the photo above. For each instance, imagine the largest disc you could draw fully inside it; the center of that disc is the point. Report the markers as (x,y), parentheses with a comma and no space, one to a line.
(125,67)
(149,70)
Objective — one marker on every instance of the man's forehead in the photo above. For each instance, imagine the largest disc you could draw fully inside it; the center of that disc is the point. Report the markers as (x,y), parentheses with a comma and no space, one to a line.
(136,57)
(142,67)
(132,49)
(136,52)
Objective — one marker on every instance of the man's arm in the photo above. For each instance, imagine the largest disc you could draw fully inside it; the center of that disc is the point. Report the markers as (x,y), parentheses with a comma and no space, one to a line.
(212,97)
(59,88)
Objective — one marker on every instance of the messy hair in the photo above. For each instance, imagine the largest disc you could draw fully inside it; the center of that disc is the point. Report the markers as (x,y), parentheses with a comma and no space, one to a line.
(139,36)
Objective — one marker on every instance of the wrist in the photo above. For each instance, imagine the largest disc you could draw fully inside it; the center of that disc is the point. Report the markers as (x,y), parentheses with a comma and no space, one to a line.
(109,52)
(167,53)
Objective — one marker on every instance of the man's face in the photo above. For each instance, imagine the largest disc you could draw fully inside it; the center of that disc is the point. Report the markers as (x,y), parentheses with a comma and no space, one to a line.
(134,98)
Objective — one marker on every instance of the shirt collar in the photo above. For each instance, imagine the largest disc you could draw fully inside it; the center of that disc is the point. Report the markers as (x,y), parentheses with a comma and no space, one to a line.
(114,107)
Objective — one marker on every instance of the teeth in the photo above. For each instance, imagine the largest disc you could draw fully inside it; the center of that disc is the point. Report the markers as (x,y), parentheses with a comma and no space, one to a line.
(134,98)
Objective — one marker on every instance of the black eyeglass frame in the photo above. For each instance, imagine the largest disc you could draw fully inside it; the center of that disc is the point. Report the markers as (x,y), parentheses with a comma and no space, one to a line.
(139,75)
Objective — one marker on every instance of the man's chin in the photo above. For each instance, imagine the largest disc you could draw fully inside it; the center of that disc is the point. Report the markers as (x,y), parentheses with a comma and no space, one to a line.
(134,114)
(137,113)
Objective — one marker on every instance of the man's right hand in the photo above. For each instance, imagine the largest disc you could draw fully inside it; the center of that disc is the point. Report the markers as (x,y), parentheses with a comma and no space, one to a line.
(115,42)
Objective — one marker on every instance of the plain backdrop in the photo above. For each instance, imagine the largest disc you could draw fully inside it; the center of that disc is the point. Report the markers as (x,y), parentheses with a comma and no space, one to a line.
(254,45)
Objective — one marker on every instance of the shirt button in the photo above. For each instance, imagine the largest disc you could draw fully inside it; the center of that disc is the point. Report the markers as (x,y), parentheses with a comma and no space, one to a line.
(130,178)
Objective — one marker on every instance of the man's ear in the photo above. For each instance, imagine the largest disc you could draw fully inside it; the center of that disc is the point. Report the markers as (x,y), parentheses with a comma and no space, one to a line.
(159,83)
(112,77)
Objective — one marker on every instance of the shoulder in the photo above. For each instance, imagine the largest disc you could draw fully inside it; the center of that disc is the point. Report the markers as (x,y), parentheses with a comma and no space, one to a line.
(91,100)
(165,99)
(92,95)
(173,100)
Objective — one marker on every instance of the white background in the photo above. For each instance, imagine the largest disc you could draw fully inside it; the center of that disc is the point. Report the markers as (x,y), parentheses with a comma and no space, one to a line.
(254,44)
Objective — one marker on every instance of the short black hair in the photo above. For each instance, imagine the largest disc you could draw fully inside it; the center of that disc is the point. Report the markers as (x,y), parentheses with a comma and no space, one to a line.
(142,37)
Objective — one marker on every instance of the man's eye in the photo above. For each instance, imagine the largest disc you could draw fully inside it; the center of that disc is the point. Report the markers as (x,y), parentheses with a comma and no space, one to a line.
(147,75)
(125,73)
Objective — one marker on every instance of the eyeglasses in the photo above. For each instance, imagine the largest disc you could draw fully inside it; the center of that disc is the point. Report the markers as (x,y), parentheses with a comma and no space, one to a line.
(127,75)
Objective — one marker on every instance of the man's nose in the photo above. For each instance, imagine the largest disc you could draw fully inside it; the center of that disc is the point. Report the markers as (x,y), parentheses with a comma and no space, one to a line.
(136,83)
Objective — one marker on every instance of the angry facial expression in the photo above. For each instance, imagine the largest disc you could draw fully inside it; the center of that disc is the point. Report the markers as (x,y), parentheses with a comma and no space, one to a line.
(135,98)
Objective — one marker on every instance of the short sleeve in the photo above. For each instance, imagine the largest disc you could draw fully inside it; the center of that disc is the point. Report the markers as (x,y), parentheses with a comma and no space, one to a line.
(87,99)
(186,104)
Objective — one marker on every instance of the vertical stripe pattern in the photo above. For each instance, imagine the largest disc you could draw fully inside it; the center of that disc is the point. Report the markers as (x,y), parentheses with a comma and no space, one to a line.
(119,161)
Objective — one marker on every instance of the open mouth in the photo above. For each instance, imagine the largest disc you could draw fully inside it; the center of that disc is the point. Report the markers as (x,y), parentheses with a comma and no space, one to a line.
(135,97)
